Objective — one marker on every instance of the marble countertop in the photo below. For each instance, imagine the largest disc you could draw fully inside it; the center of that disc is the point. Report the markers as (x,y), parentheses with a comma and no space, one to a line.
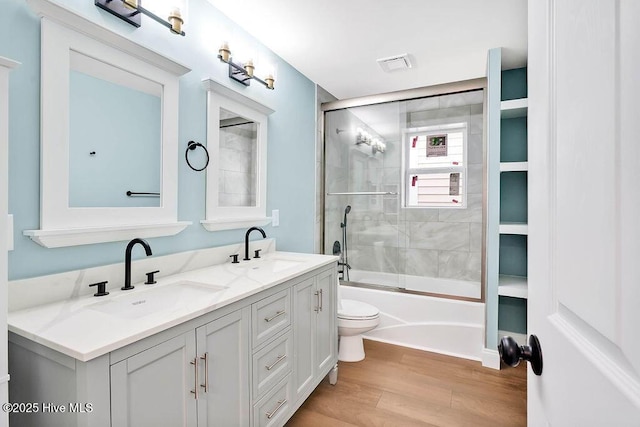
(87,327)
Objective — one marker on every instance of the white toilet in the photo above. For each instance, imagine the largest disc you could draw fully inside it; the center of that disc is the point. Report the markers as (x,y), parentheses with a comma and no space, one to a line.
(354,319)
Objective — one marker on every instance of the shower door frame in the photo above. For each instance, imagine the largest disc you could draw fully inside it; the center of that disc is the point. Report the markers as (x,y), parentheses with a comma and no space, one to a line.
(407,95)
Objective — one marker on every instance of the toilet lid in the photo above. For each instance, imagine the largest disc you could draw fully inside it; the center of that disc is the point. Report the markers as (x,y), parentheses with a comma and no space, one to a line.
(351,309)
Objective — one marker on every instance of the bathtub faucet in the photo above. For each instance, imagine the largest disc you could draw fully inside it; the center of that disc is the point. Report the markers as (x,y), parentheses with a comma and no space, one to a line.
(343,264)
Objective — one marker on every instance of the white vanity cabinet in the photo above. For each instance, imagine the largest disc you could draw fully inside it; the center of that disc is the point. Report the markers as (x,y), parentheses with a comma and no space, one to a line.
(152,387)
(196,379)
(238,365)
(314,330)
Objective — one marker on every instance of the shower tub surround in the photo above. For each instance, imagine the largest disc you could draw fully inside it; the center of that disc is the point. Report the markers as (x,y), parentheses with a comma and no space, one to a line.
(194,345)
(443,246)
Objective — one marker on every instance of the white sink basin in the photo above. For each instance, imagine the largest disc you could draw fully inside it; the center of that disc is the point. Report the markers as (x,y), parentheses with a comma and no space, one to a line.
(161,299)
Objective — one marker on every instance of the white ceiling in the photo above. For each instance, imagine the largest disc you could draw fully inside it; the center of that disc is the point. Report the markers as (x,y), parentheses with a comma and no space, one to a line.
(336,43)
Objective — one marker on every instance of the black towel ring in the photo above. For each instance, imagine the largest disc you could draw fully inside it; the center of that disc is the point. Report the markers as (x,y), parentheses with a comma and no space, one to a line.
(192,145)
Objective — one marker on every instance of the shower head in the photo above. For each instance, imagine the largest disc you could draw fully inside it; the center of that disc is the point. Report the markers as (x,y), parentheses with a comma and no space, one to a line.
(346,211)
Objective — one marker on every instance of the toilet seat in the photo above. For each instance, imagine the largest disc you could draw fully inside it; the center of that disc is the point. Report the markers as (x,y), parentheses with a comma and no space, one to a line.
(357,310)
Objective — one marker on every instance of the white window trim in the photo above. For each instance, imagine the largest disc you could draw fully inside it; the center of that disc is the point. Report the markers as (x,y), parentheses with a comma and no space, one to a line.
(407,134)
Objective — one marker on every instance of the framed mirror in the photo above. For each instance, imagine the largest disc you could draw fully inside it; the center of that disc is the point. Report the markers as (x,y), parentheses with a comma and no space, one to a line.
(109,130)
(237,179)
(114,119)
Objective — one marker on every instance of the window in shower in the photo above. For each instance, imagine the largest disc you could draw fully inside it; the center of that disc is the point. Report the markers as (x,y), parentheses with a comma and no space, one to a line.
(435,166)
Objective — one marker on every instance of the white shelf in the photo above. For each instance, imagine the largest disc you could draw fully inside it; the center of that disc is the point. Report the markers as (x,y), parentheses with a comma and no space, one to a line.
(513,286)
(514,166)
(58,238)
(514,108)
(514,228)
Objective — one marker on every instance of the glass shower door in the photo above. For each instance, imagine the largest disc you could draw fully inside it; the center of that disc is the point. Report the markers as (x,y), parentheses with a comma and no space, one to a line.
(362,182)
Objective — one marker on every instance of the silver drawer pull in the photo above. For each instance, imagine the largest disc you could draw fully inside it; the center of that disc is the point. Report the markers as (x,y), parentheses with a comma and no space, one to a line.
(206,372)
(195,376)
(278,360)
(272,413)
(269,319)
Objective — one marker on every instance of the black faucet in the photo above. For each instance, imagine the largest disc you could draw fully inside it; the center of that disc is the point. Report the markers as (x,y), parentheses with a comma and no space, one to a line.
(246,240)
(127,261)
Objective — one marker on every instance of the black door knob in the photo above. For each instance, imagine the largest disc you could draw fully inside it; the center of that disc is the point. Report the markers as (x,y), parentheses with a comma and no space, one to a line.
(511,353)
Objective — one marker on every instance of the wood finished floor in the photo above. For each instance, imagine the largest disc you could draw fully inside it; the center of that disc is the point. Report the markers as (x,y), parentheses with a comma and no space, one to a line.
(397,386)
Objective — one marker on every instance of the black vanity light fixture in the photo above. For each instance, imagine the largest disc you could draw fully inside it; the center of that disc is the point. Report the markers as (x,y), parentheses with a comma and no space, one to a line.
(242,73)
(131,10)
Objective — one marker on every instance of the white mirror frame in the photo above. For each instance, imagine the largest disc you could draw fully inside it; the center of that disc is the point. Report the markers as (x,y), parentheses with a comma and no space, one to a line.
(64,31)
(233,217)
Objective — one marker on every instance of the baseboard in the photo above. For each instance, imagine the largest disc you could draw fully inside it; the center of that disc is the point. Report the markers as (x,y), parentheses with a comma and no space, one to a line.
(490,358)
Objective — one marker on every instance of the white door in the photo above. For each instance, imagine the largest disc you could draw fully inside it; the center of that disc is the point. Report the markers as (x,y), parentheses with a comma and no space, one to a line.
(584,215)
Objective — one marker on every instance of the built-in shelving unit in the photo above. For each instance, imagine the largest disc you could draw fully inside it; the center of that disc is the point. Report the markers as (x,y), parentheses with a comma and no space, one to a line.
(513,228)
(507,208)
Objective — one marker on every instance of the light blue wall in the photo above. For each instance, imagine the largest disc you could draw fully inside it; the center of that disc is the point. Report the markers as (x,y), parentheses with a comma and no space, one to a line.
(291,150)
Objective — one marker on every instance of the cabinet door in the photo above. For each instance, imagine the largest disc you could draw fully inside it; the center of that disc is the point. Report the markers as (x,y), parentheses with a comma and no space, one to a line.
(304,311)
(154,387)
(326,327)
(225,342)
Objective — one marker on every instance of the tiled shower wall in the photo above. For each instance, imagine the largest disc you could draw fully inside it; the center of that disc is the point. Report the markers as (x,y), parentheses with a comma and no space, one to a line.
(382,236)
(237,166)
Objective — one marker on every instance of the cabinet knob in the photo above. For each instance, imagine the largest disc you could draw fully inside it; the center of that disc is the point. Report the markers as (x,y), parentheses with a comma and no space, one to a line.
(102,288)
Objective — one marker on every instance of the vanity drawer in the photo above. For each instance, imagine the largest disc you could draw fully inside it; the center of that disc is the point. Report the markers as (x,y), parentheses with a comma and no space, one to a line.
(275,407)
(272,363)
(270,316)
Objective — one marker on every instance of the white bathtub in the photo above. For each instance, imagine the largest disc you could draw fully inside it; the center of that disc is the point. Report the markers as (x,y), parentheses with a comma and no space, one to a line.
(427,323)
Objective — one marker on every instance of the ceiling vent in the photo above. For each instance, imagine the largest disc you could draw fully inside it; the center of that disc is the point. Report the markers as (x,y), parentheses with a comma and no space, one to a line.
(394,63)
